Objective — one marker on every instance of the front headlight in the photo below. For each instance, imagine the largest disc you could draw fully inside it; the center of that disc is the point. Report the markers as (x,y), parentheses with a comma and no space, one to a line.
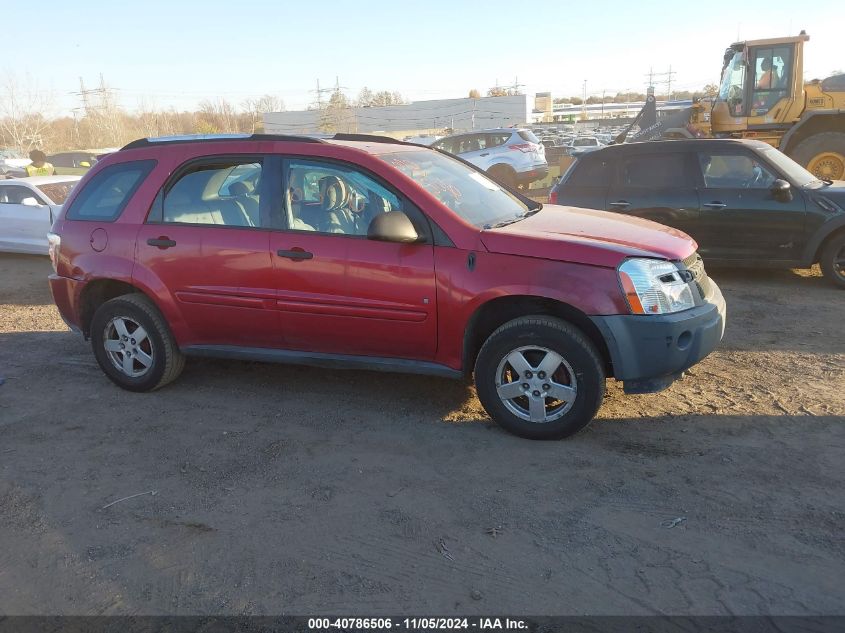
(654,286)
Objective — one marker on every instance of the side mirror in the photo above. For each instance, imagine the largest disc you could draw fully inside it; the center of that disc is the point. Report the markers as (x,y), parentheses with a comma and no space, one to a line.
(30,202)
(84,163)
(393,226)
(781,190)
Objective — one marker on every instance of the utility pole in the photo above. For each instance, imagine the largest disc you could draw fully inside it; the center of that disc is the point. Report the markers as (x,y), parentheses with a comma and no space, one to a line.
(584,103)
(668,81)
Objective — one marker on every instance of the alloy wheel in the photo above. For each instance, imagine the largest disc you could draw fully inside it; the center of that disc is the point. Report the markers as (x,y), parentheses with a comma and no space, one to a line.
(536,384)
(128,346)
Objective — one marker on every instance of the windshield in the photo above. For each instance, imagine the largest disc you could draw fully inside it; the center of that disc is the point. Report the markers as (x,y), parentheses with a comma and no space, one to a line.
(733,82)
(467,192)
(57,191)
(797,174)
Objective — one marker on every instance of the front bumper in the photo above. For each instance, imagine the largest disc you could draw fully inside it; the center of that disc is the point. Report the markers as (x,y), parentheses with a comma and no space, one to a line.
(650,352)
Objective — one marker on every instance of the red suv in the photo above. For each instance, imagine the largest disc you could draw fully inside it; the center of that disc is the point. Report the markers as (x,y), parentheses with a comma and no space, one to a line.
(361,251)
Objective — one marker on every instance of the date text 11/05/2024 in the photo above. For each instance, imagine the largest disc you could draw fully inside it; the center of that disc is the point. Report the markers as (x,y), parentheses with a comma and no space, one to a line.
(418,624)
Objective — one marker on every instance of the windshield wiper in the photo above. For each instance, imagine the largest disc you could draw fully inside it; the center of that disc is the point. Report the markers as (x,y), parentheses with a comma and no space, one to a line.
(506,222)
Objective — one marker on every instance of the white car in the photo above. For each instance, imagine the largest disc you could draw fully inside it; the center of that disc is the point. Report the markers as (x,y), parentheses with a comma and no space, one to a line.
(27,209)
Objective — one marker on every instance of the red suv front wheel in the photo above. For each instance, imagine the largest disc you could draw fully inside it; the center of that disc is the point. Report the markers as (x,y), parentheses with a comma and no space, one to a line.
(540,378)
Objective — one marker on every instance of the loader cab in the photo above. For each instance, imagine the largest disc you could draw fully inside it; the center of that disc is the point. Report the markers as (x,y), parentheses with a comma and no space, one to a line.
(762,87)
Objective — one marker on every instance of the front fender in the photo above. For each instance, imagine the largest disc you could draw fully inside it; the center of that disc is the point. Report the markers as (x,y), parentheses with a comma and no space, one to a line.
(811,249)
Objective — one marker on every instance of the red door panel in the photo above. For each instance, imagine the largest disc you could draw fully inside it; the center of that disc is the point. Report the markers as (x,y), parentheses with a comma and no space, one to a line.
(355,296)
(221,278)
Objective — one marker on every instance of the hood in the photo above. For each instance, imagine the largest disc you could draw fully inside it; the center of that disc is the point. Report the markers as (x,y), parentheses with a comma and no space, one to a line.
(585,236)
(834,192)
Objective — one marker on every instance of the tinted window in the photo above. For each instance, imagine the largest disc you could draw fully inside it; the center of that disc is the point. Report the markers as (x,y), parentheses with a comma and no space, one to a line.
(734,170)
(653,170)
(528,135)
(494,140)
(222,192)
(107,194)
(589,172)
(445,145)
(469,143)
(331,198)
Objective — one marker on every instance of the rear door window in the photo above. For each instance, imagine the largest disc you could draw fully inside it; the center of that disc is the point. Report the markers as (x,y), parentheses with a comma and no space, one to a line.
(221,191)
(106,195)
(495,140)
(656,171)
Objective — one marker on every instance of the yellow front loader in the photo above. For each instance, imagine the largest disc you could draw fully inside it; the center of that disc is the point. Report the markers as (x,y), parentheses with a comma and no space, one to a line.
(763,96)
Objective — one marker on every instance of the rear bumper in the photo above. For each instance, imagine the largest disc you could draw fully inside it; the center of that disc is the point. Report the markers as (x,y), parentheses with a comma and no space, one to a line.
(66,295)
(650,352)
(535,173)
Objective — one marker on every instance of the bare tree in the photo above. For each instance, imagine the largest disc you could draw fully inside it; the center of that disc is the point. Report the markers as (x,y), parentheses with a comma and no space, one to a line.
(24,113)
(217,115)
(254,108)
(365,98)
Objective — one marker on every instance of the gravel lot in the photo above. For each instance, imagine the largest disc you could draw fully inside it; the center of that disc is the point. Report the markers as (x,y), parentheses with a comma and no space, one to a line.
(295,490)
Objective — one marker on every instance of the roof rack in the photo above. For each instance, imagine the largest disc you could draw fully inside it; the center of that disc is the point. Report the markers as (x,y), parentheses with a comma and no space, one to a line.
(370,138)
(203,138)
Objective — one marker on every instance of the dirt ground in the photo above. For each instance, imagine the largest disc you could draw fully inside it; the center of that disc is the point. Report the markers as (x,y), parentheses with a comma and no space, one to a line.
(266,489)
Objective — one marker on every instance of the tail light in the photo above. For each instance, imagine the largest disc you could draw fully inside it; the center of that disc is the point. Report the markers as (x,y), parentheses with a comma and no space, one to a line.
(54,241)
(553,197)
(525,148)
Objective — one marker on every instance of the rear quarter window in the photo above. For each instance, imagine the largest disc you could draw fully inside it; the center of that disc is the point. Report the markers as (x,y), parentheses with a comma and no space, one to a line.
(589,172)
(105,196)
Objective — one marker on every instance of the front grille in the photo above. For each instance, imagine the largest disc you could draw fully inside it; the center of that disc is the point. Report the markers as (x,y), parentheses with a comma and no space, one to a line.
(695,265)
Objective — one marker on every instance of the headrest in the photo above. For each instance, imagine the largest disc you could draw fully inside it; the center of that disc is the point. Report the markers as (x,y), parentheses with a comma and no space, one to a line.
(333,193)
(239,188)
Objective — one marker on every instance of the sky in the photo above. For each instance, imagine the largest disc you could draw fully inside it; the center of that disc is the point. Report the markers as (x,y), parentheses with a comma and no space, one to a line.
(177,53)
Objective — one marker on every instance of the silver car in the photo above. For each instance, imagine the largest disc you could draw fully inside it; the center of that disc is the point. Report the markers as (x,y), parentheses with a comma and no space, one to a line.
(511,156)
(28,207)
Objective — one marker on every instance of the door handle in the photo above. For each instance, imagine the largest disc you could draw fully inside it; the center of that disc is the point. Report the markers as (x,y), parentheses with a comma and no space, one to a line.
(715,205)
(621,204)
(485,154)
(161,242)
(295,255)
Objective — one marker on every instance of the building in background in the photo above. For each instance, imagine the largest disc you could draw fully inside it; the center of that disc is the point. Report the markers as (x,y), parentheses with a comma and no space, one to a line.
(569,113)
(543,106)
(434,117)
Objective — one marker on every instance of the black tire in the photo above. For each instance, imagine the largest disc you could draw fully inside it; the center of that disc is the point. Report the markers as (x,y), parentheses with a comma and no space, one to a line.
(832,252)
(167,361)
(503,174)
(817,144)
(555,335)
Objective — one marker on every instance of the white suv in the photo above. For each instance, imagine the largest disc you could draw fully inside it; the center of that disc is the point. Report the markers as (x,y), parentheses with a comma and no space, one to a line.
(510,155)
